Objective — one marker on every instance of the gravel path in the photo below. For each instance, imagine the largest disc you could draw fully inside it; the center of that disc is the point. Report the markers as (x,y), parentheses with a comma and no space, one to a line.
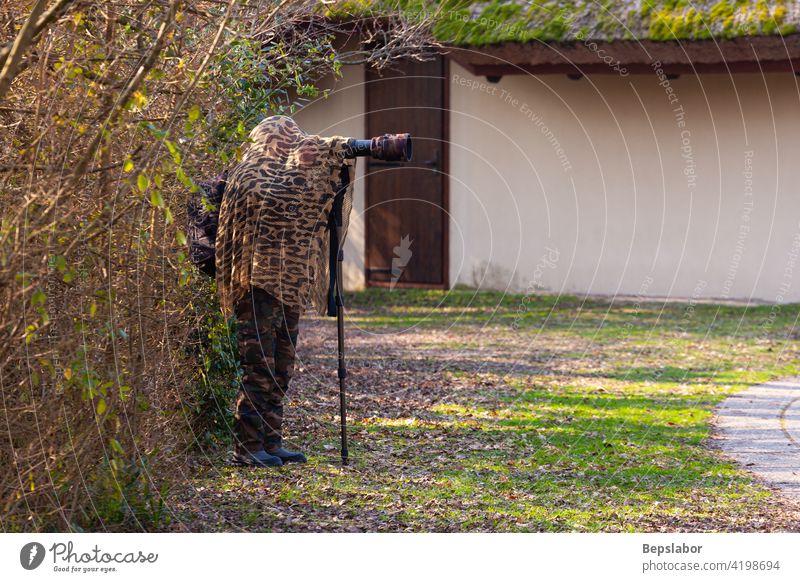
(760,428)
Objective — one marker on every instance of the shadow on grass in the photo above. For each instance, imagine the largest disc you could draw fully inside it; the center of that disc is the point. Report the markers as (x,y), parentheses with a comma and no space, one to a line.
(570,461)
(598,319)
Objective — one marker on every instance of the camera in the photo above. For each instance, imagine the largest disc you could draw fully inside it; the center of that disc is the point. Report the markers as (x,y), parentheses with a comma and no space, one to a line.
(389,147)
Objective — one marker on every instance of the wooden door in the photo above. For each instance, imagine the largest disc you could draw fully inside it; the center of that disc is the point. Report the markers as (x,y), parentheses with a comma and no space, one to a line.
(406,203)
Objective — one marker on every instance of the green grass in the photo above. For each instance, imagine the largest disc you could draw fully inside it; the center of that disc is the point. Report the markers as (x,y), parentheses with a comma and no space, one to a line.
(570,415)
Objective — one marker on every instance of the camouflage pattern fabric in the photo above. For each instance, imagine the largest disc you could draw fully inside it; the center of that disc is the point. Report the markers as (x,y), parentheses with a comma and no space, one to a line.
(267,333)
(273,223)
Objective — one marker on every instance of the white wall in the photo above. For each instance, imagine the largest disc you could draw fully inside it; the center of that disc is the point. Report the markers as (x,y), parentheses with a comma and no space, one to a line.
(616,212)
(342,113)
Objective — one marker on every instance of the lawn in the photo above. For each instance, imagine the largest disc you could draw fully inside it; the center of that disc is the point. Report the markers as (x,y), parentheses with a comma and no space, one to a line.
(490,412)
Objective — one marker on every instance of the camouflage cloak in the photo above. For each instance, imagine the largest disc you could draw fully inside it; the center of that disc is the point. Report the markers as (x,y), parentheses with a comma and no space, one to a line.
(273,222)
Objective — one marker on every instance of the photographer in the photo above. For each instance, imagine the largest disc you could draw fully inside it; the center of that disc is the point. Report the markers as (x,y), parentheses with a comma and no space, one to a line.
(271,264)
(276,247)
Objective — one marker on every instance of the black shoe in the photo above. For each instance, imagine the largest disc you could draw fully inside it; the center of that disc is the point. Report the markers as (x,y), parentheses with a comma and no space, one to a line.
(288,456)
(258,459)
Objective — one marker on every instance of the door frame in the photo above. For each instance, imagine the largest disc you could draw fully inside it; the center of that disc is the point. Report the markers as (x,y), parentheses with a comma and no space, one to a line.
(444,170)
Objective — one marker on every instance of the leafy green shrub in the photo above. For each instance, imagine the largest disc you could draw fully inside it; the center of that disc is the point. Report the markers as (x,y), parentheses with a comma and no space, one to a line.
(123,495)
(218,374)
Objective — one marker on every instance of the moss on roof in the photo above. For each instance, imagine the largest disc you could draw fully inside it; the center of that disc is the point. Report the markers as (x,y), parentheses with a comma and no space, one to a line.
(465,23)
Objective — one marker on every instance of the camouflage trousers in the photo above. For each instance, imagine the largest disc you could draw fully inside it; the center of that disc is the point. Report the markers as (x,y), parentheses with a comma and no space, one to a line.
(267,334)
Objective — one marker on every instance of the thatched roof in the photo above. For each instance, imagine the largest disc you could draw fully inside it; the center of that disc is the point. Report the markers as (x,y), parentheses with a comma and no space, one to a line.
(465,23)
(507,37)
(483,23)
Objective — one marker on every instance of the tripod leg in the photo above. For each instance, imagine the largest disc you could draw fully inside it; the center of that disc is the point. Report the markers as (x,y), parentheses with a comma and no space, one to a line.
(342,369)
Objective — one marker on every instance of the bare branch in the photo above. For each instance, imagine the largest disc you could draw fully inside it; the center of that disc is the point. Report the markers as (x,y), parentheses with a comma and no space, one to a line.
(19,47)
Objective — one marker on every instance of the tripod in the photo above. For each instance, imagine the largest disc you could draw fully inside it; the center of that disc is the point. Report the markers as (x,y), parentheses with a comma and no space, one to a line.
(335,297)
(389,147)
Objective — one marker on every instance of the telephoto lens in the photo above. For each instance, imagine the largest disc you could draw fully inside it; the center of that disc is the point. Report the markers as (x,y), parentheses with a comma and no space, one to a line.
(390,147)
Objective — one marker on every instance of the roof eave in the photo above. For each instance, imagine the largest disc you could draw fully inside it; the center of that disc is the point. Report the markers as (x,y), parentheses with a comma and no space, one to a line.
(742,54)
